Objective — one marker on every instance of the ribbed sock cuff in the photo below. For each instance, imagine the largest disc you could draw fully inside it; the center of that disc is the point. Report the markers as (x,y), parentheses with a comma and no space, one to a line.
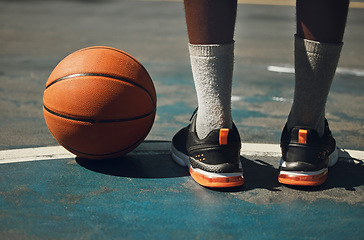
(316,47)
(211,50)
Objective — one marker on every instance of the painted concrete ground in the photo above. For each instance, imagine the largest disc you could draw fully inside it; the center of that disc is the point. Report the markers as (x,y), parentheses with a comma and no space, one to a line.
(145,194)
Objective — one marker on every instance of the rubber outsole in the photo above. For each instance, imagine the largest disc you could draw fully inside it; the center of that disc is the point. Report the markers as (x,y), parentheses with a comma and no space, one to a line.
(302,179)
(307,178)
(221,181)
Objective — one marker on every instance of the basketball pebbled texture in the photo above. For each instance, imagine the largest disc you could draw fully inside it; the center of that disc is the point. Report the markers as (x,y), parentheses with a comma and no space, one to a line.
(99,102)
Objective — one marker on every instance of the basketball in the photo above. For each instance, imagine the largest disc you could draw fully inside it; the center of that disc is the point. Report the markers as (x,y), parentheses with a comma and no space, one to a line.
(99,102)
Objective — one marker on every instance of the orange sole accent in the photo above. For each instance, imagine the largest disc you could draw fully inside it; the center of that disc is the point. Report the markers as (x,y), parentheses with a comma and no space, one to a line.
(301,180)
(217,182)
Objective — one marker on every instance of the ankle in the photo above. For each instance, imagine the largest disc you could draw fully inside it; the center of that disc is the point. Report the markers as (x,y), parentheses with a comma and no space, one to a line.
(206,122)
(318,124)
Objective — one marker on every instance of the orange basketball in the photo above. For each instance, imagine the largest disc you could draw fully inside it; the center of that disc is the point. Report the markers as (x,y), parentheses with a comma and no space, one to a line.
(99,102)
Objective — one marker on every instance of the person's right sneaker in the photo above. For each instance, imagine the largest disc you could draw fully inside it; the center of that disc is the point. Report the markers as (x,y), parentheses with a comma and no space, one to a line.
(306,156)
(213,161)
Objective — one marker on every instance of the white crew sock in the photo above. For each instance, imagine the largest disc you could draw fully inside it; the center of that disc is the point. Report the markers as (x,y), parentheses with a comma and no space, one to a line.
(212,68)
(315,66)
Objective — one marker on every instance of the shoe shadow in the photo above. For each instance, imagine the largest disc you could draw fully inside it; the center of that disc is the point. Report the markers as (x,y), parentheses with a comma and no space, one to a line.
(142,164)
(257,174)
(348,174)
(260,174)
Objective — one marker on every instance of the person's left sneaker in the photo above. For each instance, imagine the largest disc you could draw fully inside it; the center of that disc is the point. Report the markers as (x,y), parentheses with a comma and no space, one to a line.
(306,156)
(213,161)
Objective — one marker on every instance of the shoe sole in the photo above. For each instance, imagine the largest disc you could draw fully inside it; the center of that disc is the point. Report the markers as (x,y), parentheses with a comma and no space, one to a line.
(204,178)
(307,178)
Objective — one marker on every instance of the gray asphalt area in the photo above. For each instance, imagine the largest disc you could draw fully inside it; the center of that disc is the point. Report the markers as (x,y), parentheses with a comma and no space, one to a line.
(36,35)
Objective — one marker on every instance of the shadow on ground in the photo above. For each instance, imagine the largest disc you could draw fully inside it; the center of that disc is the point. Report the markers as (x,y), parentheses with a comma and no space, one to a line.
(259,172)
(136,166)
(348,173)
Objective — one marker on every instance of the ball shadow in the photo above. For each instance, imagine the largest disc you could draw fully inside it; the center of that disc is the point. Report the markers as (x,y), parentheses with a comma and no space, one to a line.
(136,166)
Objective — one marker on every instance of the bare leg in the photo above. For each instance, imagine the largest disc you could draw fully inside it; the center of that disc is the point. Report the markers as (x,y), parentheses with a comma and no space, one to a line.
(210,21)
(323,20)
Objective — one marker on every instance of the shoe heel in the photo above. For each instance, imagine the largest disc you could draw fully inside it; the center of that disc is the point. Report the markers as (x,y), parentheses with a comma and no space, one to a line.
(333,158)
(180,158)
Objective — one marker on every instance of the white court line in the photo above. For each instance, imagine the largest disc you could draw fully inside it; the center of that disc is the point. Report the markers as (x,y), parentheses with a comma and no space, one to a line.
(148,147)
(344,71)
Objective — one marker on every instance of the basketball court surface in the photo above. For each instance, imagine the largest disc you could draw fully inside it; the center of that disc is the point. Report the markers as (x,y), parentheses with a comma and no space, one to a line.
(48,193)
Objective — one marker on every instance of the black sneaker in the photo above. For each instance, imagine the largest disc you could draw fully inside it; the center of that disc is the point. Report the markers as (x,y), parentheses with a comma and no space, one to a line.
(306,156)
(213,161)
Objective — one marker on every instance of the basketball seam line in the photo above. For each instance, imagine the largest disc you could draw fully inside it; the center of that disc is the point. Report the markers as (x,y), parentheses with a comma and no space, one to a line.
(103,75)
(116,50)
(94,120)
(96,75)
